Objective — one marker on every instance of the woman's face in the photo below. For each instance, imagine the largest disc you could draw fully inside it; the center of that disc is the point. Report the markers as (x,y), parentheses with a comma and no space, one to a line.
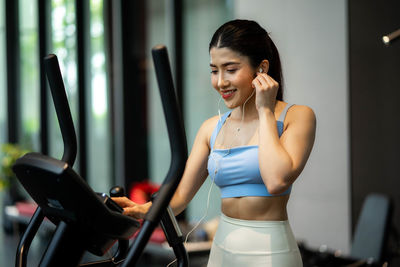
(231,76)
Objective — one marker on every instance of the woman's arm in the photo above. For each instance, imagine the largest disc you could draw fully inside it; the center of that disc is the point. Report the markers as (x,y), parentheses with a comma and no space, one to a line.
(193,177)
(282,159)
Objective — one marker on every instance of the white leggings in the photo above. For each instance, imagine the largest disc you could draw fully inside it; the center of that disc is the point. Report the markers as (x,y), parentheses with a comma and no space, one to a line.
(254,243)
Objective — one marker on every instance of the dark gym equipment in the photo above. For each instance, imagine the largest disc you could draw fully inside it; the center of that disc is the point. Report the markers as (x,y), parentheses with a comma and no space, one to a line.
(89,221)
(369,242)
(371,233)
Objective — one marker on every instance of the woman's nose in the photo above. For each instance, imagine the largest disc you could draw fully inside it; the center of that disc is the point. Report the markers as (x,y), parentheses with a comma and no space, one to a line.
(222,82)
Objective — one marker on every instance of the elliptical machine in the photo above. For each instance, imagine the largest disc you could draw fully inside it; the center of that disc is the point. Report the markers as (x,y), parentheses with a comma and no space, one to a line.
(89,221)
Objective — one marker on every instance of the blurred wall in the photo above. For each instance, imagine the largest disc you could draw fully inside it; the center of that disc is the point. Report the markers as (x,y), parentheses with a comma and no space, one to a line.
(375,109)
(311,36)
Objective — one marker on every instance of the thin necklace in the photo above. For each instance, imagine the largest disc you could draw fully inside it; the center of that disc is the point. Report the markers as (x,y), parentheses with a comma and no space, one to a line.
(237,130)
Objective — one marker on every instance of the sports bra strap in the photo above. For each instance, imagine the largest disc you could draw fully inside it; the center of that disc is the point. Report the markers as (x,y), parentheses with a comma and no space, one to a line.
(223,118)
(284,112)
(221,122)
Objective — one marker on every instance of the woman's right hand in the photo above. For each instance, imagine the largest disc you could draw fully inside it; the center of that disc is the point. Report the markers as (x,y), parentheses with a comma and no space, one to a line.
(137,211)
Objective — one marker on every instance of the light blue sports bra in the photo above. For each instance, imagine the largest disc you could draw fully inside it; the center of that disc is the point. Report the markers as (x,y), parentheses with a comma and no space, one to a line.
(236,170)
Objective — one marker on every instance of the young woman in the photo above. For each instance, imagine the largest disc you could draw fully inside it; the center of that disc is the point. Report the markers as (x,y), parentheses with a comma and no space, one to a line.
(254,152)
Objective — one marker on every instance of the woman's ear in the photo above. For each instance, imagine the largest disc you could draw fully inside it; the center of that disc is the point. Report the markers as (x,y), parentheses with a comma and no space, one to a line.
(264,66)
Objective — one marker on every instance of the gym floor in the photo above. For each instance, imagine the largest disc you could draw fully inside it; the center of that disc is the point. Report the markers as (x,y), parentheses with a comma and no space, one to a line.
(153,257)
(9,243)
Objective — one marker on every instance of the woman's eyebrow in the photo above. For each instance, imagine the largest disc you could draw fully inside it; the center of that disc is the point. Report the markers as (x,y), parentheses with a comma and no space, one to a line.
(226,64)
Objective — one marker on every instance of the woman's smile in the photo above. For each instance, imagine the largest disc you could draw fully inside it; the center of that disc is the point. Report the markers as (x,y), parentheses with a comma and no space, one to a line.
(226,94)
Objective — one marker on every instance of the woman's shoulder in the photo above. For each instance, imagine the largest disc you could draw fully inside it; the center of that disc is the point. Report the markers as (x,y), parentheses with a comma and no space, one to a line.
(301,110)
(209,124)
(300,114)
(206,129)
(293,110)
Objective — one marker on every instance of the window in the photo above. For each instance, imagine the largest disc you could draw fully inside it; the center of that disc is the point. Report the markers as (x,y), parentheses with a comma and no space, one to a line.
(63,44)
(159,31)
(3,77)
(29,71)
(99,150)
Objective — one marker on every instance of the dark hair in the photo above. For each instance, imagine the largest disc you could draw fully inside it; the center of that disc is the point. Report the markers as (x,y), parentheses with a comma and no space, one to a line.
(249,39)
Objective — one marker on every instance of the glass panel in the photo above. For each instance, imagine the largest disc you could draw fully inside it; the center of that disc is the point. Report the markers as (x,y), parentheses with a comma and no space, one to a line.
(201,20)
(159,31)
(99,154)
(3,78)
(30,112)
(3,113)
(63,44)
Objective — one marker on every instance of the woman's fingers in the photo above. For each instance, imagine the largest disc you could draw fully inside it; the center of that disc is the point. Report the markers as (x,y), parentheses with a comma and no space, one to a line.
(256,83)
(265,81)
(123,201)
(137,211)
(134,212)
(266,90)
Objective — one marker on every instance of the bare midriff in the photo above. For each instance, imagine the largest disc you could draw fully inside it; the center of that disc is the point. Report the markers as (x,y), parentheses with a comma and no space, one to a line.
(256,208)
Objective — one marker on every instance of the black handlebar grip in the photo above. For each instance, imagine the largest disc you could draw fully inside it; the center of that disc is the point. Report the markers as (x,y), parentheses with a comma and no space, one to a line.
(117,191)
(60,100)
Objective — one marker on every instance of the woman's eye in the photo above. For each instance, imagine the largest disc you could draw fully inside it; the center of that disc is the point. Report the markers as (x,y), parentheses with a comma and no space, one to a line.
(214,71)
(231,70)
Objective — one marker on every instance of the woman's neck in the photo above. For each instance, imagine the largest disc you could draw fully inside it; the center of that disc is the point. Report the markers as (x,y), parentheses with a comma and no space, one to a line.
(247,111)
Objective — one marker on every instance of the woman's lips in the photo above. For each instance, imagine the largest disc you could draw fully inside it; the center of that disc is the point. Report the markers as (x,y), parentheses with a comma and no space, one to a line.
(228,93)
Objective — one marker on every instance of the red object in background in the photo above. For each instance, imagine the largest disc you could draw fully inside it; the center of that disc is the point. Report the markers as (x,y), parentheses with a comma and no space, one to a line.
(26,208)
(141,192)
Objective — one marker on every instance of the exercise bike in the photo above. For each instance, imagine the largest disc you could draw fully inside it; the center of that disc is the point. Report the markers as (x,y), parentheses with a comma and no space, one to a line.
(90,221)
